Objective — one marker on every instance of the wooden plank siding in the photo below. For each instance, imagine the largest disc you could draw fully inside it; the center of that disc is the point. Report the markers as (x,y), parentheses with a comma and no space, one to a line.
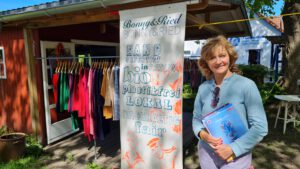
(14,100)
(30,63)
(41,128)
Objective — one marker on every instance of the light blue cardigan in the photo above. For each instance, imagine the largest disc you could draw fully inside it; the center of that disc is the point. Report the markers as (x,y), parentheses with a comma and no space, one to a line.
(244,95)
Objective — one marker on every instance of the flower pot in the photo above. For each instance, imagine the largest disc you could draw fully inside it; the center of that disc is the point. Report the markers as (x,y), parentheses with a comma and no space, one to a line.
(12,146)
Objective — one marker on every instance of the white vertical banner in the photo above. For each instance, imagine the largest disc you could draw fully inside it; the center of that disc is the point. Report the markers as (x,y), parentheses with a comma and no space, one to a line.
(151,80)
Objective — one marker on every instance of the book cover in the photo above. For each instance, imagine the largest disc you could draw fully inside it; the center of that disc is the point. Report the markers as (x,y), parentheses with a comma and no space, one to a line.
(226,123)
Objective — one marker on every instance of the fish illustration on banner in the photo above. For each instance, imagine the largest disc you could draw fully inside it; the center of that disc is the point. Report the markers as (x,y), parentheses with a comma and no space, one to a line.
(151,81)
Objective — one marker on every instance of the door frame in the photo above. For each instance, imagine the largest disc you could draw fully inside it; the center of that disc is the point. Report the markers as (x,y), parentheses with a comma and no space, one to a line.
(63,128)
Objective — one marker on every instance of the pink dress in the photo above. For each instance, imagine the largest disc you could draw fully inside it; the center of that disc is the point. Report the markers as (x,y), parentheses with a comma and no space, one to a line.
(91,102)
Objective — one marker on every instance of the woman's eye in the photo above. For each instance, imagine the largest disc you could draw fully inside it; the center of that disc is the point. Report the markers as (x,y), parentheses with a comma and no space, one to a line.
(212,58)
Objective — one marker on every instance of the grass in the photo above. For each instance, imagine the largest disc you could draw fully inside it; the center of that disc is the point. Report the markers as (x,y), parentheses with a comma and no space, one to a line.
(70,157)
(33,158)
(28,162)
(94,166)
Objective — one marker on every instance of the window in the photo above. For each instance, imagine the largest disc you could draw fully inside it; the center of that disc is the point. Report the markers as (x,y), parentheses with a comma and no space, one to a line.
(254,57)
(2,64)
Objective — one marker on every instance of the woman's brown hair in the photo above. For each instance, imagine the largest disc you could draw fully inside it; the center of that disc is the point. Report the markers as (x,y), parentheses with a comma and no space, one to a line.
(206,53)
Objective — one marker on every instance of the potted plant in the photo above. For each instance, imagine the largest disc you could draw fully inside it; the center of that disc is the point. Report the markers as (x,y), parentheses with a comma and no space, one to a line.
(12,145)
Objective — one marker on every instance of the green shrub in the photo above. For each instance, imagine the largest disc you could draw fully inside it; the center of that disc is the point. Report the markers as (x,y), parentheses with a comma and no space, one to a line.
(268,90)
(33,147)
(254,72)
(5,130)
(188,92)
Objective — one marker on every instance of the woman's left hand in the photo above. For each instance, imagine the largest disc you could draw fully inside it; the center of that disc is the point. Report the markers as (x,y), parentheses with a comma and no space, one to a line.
(224,151)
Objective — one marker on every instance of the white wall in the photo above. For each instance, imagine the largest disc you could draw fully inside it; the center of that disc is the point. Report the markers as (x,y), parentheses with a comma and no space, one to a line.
(192,48)
(261,27)
(242,46)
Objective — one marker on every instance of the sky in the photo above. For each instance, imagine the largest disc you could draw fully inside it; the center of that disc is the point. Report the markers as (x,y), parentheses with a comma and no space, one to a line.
(13,4)
(278,7)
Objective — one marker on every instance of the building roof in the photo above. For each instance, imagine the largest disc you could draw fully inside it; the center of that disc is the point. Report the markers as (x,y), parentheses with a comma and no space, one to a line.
(276,22)
(60,3)
(42,6)
(71,12)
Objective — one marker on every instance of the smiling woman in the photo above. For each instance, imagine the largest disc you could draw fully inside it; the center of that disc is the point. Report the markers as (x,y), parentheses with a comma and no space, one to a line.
(224,85)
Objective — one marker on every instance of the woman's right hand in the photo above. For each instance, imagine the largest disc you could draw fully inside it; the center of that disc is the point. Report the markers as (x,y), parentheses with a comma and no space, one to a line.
(212,141)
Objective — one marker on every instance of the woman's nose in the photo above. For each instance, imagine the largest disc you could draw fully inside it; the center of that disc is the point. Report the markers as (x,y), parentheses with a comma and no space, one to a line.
(218,60)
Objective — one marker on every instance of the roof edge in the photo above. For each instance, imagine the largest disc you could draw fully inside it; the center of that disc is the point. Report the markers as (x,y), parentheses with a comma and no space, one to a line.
(59,8)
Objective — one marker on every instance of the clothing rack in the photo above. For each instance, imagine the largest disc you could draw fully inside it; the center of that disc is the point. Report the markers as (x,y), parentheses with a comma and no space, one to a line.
(78,57)
(192,58)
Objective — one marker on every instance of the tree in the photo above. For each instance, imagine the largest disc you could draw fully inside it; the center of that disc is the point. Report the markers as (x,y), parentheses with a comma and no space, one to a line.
(292,45)
(265,7)
(291,37)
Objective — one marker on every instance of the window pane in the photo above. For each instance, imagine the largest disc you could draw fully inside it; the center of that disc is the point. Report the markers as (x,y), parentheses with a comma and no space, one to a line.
(2,64)
(1,56)
(1,69)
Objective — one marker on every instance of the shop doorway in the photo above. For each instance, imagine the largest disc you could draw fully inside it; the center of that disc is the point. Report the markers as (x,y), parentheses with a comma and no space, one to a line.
(58,124)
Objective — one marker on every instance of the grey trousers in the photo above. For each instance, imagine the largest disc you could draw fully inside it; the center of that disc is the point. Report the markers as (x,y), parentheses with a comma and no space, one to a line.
(209,160)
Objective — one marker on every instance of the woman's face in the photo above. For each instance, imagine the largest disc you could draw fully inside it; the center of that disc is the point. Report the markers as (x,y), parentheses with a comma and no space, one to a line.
(219,60)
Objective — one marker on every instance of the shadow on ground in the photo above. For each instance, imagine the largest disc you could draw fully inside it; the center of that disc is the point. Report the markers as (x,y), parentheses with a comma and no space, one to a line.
(276,151)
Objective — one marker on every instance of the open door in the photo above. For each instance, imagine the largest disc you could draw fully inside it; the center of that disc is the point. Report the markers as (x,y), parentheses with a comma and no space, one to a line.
(58,124)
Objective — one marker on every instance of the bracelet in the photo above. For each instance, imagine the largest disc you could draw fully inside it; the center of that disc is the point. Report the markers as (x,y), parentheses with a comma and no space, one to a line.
(201,137)
(231,158)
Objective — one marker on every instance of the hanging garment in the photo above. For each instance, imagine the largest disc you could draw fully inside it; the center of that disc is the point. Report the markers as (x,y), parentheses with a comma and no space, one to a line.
(107,109)
(111,88)
(57,109)
(71,90)
(55,83)
(91,101)
(81,111)
(86,100)
(98,105)
(196,76)
(64,92)
(75,120)
(76,104)
(116,115)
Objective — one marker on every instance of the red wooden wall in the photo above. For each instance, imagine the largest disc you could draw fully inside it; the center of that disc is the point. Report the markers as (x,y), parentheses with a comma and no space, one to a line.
(14,96)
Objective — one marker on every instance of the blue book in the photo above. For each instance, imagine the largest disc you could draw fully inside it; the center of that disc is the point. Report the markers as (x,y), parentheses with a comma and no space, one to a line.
(226,123)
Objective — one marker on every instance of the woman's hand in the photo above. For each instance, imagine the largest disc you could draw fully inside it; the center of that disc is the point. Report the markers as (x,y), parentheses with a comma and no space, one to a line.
(212,141)
(224,151)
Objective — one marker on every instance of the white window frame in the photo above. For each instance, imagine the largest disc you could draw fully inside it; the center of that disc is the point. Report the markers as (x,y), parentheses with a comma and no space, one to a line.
(3,63)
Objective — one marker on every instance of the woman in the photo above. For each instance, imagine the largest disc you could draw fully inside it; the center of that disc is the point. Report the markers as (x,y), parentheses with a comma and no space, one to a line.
(225,85)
